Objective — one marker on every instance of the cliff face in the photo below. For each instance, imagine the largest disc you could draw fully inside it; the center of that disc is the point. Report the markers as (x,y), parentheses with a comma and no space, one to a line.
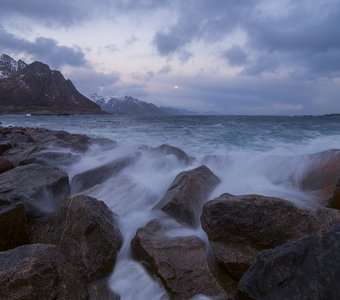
(35,88)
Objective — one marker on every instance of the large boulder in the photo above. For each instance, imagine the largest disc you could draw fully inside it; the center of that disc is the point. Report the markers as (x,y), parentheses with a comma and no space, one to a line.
(308,268)
(40,188)
(98,175)
(321,173)
(185,196)
(86,232)
(180,262)
(13,226)
(239,227)
(37,272)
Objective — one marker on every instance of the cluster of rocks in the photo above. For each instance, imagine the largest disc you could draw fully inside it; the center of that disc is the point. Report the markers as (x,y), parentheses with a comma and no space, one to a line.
(58,246)
(53,245)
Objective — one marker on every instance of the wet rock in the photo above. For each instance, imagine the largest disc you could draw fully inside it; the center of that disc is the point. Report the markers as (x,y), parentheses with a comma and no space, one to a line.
(180,262)
(99,290)
(5,165)
(40,188)
(334,202)
(51,158)
(5,145)
(171,150)
(239,227)
(86,232)
(187,193)
(98,175)
(13,226)
(308,268)
(38,272)
(321,173)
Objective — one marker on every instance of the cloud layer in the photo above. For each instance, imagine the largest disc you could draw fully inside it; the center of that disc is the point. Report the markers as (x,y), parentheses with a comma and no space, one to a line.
(259,56)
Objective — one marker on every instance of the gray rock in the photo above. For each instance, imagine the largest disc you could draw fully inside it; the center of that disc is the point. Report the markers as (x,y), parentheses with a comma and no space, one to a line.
(180,262)
(321,174)
(308,268)
(38,272)
(40,188)
(98,175)
(13,226)
(171,150)
(86,232)
(239,227)
(99,290)
(187,193)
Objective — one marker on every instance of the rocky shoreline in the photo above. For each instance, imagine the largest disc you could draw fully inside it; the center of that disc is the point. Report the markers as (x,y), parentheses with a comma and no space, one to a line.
(56,242)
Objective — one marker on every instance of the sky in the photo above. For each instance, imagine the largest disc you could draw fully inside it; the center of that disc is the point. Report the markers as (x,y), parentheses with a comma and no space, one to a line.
(211,56)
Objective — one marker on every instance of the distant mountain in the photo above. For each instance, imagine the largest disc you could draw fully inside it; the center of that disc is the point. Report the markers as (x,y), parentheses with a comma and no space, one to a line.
(35,88)
(177,111)
(126,106)
(132,106)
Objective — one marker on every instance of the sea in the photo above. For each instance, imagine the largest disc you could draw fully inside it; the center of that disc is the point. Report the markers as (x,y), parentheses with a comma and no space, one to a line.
(250,154)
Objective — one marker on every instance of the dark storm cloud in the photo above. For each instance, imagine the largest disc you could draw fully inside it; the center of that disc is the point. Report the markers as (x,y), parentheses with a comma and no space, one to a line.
(307,38)
(58,11)
(236,56)
(197,20)
(303,36)
(43,49)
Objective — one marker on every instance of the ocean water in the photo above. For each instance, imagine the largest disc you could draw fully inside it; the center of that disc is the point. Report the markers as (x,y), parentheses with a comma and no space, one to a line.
(250,154)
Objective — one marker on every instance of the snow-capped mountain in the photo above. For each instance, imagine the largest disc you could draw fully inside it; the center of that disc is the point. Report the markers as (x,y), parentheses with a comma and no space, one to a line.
(35,88)
(126,106)
(9,66)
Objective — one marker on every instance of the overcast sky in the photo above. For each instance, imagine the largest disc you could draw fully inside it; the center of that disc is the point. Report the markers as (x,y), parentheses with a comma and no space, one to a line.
(225,56)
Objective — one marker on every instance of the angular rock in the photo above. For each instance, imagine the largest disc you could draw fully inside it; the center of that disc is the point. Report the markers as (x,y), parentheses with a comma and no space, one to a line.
(308,268)
(4,146)
(51,158)
(40,188)
(187,193)
(13,226)
(180,262)
(86,232)
(38,272)
(5,165)
(322,173)
(98,175)
(171,150)
(334,202)
(238,227)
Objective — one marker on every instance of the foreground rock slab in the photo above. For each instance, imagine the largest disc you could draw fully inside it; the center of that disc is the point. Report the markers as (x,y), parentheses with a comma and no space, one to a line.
(180,262)
(40,188)
(13,226)
(239,227)
(187,193)
(86,232)
(308,268)
(37,272)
